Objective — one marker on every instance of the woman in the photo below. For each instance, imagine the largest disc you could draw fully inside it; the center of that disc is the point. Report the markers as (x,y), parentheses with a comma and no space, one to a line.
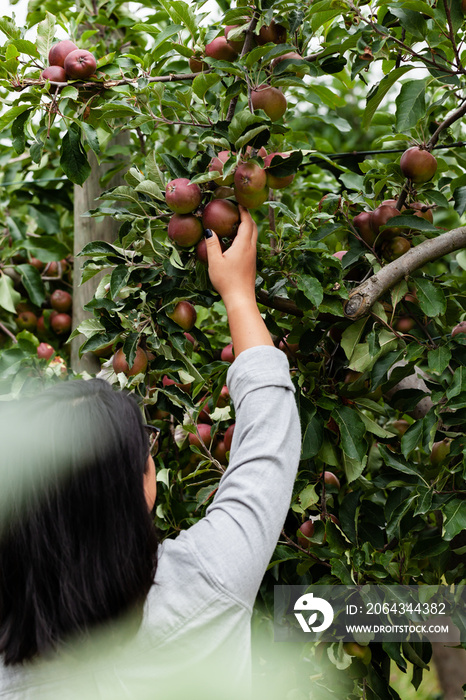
(78,552)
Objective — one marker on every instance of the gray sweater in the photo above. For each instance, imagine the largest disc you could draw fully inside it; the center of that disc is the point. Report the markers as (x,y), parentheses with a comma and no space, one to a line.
(194,639)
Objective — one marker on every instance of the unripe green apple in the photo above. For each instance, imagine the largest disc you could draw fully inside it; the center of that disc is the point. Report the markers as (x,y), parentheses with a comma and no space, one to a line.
(358,651)
(395,247)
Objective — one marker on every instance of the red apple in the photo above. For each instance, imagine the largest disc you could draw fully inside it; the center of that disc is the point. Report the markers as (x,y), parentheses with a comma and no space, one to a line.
(331,480)
(61,300)
(249,179)
(423,210)
(271,100)
(120,363)
(222,216)
(185,230)
(56,74)
(61,323)
(80,64)
(182,196)
(224,192)
(196,65)
(45,351)
(363,222)
(166,381)
(220,452)
(418,165)
(60,51)
(203,432)
(381,216)
(395,247)
(272,33)
(26,321)
(229,436)
(228,353)
(307,529)
(236,44)
(460,328)
(216,165)
(221,49)
(405,324)
(276,182)
(184,314)
(252,201)
(340,254)
(292,55)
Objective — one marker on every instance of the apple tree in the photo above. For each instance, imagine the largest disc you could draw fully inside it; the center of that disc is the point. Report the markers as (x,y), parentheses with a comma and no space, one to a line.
(339,125)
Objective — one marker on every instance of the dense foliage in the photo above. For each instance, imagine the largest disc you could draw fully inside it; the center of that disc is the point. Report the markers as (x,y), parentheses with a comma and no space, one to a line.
(352,109)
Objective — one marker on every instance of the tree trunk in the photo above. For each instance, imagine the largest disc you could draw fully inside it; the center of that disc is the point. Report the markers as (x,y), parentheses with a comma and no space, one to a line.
(85,230)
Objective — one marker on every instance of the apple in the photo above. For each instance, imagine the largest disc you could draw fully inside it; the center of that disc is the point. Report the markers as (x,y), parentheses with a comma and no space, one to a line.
(276,182)
(185,230)
(184,314)
(395,247)
(271,100)
(307,529)
(400,426)
(423,210)
(56,74)
(249,179)
(196,65)
(216,165)
(381,216)
(262,152)
(440,451)
(60,51)
(235,44)
(220,452)
(38,264)
(26,321)
(56,269)
(182,196)
(252,201)
(45,351)
(358,651)
(41,330)
(224,192)
(340,254)
(331,480)
(290,349)
(203,432)
(228,353)
(166,381)
(228,437)
(61,300)
(405,324)
(271,34)
(221,49)
(292,55)
(61,323)
(224,397)
(120,363)
(460,328)
(222,216)
(418,165)
(80,64)
(201,251)
(363,222)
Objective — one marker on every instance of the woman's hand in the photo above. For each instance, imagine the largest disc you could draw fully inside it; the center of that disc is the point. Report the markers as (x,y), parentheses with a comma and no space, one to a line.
(233,273)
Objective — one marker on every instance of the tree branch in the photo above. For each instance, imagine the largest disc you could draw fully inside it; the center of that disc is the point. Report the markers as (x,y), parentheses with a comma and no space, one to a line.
(279,303)
(457,114)
(247,46)
(362,298)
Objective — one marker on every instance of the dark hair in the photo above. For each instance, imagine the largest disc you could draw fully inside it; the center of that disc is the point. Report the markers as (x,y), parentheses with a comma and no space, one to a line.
(78,547)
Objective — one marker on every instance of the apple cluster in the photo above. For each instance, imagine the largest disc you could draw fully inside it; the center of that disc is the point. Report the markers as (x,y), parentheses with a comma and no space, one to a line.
(418,166)
(247,184)
(67,61)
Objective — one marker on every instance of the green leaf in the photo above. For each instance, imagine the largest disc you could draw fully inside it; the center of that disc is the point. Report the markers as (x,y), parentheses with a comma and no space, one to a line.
(9,28)
(45,34)
(9,297)
(308,496)
(311,288)
(73,158)
(203,83)
(130,346)
(150,188)
(175,166)
(397,462)
(352,431)
(181,13)
(240,123)
(351,335)
(454,518)
(26,47)
(33,283)
(11,114)
(120,276)
(424,503)
(100,248)
(410,104)
(312,438)
(438,359)
(341,570)
(91,136)
(431,297)
(376,96)
(353,467)
(17,131)
(153,171)
(459,197)
(413,22)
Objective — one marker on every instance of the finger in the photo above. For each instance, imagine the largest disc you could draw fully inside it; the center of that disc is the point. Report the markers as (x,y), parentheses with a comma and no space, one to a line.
(247,223)
(214,250)
(255,233)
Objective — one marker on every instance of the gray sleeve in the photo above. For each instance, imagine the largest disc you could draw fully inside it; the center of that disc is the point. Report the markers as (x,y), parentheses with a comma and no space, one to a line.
(236,538)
